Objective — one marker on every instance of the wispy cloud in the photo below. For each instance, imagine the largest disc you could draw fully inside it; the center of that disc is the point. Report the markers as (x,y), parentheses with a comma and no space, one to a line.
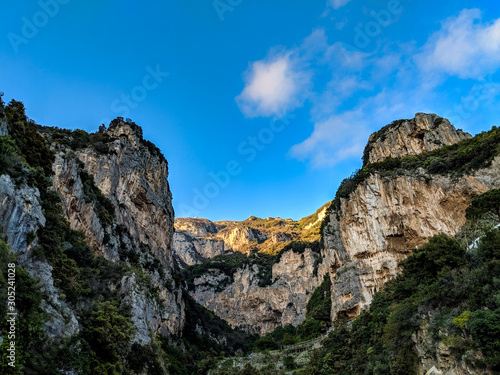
(337,138)
(277,84)
(464,47)
(336,4)
(368,89)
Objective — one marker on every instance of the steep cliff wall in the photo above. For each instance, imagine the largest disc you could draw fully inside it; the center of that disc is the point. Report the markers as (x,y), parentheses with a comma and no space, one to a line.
(132,176)
(386,216)
(243,303)
(383,220)
(264,291)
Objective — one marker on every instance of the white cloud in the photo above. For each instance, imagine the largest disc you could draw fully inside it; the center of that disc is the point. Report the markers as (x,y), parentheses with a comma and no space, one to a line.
(344,134)
(274,86)
(464,47)
(336,4)
(338,138)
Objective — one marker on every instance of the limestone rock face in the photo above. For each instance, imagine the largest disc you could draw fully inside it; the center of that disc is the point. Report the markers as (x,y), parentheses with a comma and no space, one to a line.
(150,315)
(132,174)
(196,227)
(20,212)
(425,132)
(81,213)
(259,310)
(134,178)
(383,219)
(3,127)
(189,250)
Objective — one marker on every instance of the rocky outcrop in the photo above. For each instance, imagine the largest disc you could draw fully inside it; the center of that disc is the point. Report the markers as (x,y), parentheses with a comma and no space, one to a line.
(425,132)
(20,213)
(20,218)
(238,237)
(132,175)
(384,218)
(260,309)
(189,250)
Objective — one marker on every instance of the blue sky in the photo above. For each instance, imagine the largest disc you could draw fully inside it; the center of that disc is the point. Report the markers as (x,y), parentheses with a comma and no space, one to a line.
(260,107)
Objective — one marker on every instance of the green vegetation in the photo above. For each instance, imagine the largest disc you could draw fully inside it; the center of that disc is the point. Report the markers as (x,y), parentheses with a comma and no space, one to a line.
(484,204)
(451,292)
(202,353)
(108,333)
(10,161)
(91,193)
(29,332)
(316,323)
(28,141)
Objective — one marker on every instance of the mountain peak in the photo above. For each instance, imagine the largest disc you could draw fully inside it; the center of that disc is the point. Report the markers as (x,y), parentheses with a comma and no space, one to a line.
(425,132)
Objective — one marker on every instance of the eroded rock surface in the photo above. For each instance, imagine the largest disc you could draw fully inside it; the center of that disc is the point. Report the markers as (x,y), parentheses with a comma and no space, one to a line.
(425,132)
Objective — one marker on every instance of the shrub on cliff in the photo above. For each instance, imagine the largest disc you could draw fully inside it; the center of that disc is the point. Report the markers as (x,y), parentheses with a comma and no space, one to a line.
(451,293)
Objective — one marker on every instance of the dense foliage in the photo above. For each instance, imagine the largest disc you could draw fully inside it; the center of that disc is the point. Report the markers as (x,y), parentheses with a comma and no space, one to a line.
(316,323)
(446,290)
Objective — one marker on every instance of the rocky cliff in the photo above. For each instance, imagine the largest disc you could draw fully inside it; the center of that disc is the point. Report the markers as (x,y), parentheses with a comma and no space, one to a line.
(264,291)
(90,218)
(367,232)
(425,132)
(242,300)
(132,175)
(388,214)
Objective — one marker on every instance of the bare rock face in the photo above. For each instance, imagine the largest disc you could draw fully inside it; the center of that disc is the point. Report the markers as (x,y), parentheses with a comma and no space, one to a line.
(382,221)
(196,227)
(81,213)
(20,212)
(238,237)
(133,175)
(425,132)
(21,215)
(259,310)
(189,250)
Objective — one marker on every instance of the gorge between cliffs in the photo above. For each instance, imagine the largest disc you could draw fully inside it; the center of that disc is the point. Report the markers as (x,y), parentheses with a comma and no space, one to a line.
(397,274)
